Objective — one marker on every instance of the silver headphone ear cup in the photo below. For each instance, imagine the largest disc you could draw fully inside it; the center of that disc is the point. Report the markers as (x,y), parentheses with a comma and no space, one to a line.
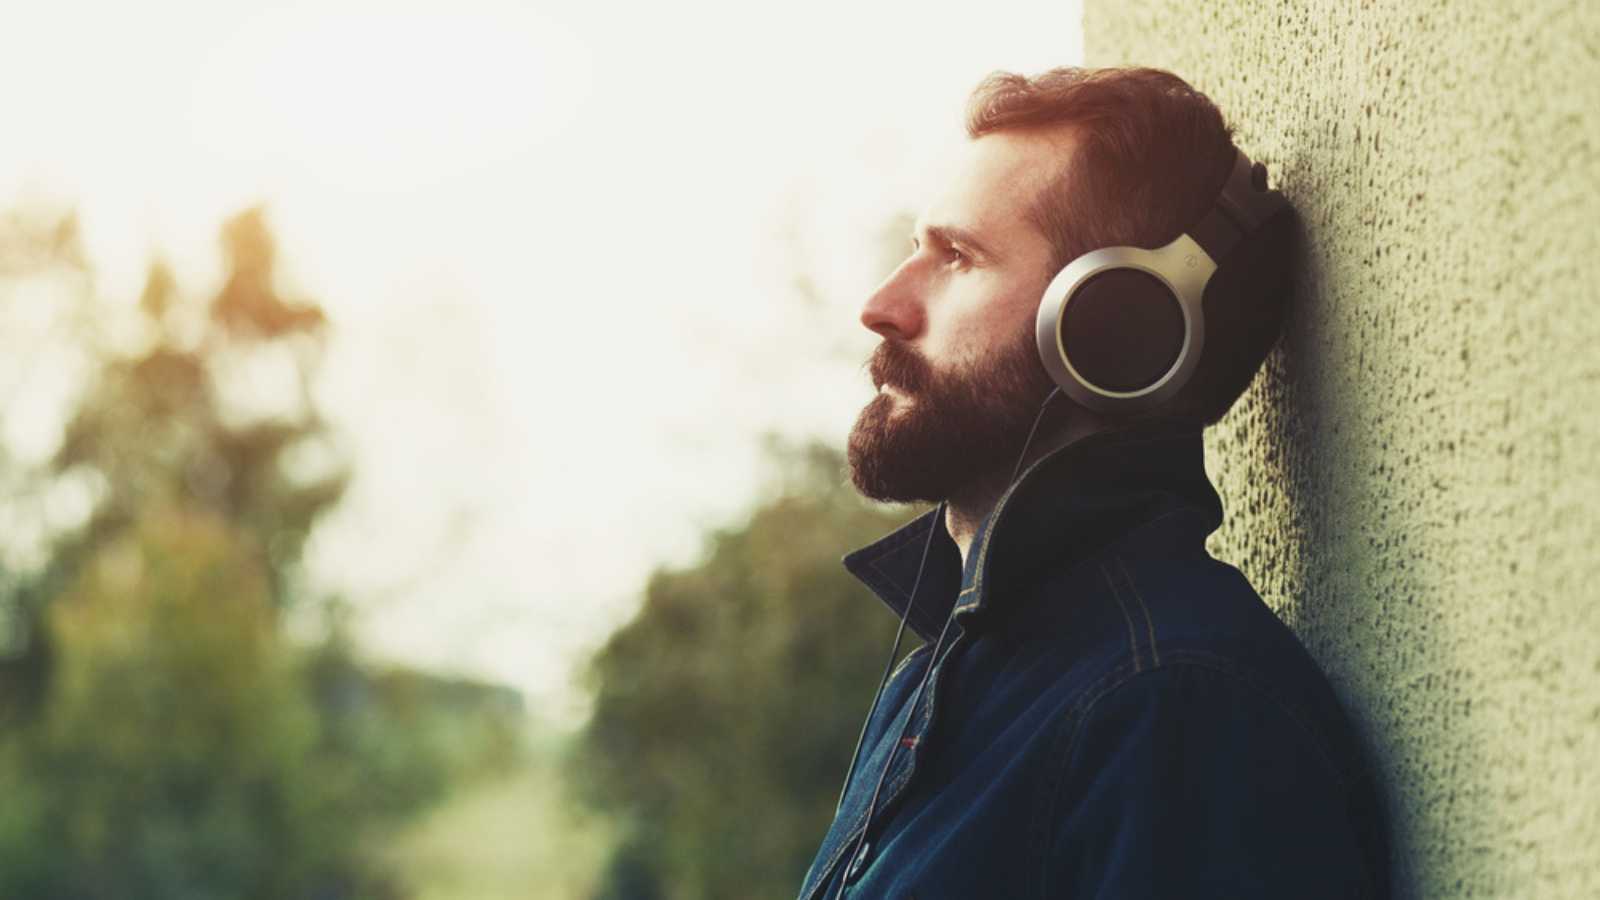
(1122,329)
(1136,333)
(1107,354)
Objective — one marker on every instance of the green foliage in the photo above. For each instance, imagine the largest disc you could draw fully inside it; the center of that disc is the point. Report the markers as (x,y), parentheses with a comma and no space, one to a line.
(156,429)
(172,759)
(394,742)
(727,710)
(164,739)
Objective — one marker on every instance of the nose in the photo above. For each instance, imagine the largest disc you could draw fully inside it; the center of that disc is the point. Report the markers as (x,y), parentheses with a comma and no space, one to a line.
(894,310)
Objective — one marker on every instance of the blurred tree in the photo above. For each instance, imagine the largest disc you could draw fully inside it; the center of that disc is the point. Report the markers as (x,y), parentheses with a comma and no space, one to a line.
(172,760)
(154,427)
(165,739)
(48,333)
(726,711)
(213,413)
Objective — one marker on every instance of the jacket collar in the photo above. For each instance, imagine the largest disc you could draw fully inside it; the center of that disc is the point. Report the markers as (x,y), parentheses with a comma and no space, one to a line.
(1068,505)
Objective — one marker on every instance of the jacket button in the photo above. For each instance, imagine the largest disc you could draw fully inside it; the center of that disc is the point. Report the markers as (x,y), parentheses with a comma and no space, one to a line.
(859,864)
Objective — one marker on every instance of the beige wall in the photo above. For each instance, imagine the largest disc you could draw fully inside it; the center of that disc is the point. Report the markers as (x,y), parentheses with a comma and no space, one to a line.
(1413,482)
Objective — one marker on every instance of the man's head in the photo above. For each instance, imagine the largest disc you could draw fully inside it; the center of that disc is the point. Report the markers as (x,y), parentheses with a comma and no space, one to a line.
(1056,166)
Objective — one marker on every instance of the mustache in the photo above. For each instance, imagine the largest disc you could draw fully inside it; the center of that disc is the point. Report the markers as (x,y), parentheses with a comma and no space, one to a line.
(894,363)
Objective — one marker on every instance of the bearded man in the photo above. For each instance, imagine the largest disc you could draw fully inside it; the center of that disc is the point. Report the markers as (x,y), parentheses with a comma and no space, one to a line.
(1099,708)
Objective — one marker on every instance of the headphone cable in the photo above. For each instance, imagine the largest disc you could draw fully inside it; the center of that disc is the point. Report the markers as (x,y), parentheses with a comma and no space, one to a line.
(893,651)
(933,658)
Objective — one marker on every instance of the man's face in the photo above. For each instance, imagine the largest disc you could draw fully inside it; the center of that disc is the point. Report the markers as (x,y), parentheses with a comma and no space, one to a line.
(958,374)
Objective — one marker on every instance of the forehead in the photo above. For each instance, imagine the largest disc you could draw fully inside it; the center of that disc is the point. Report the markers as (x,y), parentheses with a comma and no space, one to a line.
(989,184)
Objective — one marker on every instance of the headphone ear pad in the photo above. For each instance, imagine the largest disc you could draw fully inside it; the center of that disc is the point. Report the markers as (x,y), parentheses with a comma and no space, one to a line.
(1122,329)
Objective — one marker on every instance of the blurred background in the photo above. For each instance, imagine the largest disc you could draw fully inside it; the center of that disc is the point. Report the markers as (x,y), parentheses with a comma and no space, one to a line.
(420,433)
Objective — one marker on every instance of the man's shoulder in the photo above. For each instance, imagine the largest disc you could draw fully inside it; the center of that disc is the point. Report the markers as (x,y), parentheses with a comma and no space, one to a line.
(1196,627)
(1251,788)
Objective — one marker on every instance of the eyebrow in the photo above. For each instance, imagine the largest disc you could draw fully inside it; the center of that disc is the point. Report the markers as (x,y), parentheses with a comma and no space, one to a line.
(955,234)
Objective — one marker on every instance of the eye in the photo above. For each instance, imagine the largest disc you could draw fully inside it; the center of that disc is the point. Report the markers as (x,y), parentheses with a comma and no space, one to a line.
(950,253)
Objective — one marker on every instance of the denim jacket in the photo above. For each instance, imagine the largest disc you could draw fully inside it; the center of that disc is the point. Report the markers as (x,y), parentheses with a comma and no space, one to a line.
(1115,714)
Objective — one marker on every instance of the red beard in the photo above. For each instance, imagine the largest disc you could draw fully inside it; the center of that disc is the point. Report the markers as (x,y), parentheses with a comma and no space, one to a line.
(951,430)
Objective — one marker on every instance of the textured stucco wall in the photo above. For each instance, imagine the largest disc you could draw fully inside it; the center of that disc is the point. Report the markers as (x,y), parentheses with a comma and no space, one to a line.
(1413,482)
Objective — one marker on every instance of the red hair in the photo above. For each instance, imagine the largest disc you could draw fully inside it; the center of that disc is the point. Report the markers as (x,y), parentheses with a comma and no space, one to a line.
(1150,155)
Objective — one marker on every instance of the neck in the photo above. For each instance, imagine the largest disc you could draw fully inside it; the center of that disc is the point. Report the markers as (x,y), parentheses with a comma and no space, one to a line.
(966,509)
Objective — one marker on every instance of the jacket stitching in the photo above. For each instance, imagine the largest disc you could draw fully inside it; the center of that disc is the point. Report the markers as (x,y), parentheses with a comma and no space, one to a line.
(1149,623)
(826,874)
(1077,710)
(895,541)
(893,544)
(897,786)
(994,522)
(1223,666)
(884,578)
(1133,641)
(1085,701)
(901,665)
(1133,534)
(898,668)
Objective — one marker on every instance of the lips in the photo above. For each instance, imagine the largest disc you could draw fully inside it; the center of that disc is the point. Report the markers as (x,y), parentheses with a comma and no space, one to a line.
(897,366)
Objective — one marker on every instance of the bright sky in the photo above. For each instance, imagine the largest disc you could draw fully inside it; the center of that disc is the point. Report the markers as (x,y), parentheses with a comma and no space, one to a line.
(559,243)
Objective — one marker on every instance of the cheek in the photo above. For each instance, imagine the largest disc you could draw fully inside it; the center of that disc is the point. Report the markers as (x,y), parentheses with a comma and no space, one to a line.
(989,315)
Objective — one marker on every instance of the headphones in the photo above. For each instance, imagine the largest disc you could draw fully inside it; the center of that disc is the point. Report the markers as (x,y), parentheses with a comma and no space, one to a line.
(1122,329)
